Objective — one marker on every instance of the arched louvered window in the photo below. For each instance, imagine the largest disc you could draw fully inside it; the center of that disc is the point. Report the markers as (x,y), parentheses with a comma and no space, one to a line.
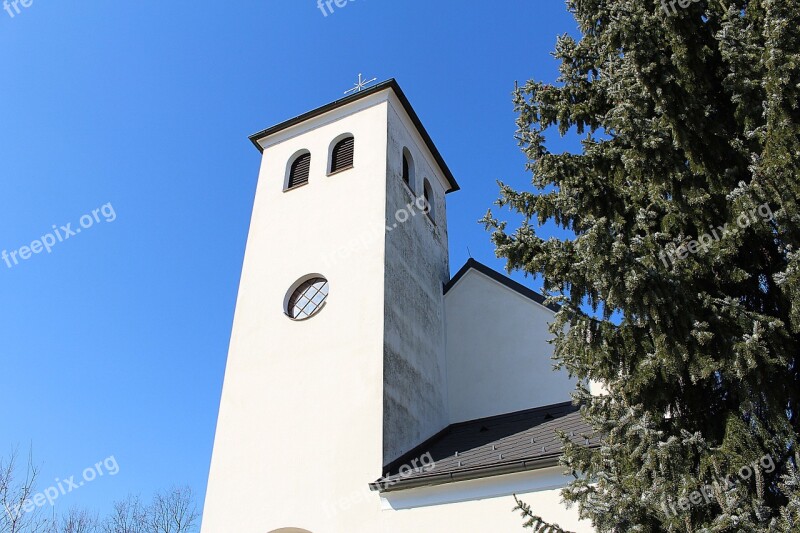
(342,155)
(429,200)
(408,169)
(298,173)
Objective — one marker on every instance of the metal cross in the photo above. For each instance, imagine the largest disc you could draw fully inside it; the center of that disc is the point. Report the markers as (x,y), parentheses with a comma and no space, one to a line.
(360,85)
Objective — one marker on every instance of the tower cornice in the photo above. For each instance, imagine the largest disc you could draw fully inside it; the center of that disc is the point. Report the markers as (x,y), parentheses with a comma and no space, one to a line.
(389,85)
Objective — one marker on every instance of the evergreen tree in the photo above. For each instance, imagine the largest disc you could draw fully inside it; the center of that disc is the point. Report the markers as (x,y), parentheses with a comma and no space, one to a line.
(680,292)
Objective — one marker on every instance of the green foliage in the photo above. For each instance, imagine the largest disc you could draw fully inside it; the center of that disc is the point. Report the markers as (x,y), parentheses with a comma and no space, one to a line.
(691,126)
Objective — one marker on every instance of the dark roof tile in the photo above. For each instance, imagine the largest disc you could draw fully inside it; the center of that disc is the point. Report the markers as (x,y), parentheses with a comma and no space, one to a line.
(490,446)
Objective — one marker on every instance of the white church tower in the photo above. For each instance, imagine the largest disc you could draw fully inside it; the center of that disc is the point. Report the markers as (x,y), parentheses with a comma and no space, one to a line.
(338,361)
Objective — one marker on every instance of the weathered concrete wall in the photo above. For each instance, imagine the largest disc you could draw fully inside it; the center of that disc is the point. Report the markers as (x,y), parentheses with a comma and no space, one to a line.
(415,392)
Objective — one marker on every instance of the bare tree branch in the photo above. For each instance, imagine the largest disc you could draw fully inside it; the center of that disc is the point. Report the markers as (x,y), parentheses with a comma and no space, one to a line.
(170,511)
(129,516)
(18,514)
(173,511)
(79,521)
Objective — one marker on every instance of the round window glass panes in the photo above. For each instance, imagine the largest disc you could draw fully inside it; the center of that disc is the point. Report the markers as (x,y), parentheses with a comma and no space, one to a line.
(307,299)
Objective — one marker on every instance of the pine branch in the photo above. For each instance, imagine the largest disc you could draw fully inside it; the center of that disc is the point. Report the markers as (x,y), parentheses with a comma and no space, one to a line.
(536,523)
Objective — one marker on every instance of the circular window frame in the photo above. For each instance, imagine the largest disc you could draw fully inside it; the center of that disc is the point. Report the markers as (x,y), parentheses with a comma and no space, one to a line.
(293,289)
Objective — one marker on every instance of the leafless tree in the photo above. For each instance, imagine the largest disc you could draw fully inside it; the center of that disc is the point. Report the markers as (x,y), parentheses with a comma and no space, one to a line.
(172,511)
(78,521)
(15,494)
(129,516)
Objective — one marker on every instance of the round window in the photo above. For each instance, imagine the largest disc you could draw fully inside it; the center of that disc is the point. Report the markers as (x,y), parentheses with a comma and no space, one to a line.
(307,298)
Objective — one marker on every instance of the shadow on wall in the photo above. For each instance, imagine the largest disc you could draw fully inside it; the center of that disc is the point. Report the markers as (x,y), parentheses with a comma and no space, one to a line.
(290,530)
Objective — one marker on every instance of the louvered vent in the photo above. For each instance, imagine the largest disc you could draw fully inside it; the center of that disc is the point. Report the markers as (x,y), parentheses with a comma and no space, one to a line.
(428,194)
(342,157)
(298,175)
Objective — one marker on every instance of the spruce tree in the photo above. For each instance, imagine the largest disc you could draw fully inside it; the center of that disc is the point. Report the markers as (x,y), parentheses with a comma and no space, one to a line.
(680,290)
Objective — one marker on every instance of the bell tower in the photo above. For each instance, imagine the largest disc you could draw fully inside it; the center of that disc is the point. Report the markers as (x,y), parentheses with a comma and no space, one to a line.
(336,363)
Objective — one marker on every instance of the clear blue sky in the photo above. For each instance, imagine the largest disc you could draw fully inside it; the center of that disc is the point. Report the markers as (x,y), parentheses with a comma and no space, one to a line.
(115,342)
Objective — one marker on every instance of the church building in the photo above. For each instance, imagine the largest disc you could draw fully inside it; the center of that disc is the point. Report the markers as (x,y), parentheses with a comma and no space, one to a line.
(366,389)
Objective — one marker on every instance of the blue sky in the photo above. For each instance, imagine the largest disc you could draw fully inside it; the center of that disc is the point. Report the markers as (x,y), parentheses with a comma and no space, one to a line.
(114,343)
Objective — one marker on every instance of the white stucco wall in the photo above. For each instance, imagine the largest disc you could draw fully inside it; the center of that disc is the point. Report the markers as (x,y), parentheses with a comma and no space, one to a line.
(498,356)
(481,516)
(481,505)
(301,411)
(478,506)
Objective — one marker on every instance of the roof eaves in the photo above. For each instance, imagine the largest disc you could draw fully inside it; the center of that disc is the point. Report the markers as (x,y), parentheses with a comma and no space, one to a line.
(515,286)
(537,463)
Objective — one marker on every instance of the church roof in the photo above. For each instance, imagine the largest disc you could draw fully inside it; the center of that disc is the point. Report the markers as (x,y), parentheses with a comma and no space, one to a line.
(503,444)
(500,278)
(389,84)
